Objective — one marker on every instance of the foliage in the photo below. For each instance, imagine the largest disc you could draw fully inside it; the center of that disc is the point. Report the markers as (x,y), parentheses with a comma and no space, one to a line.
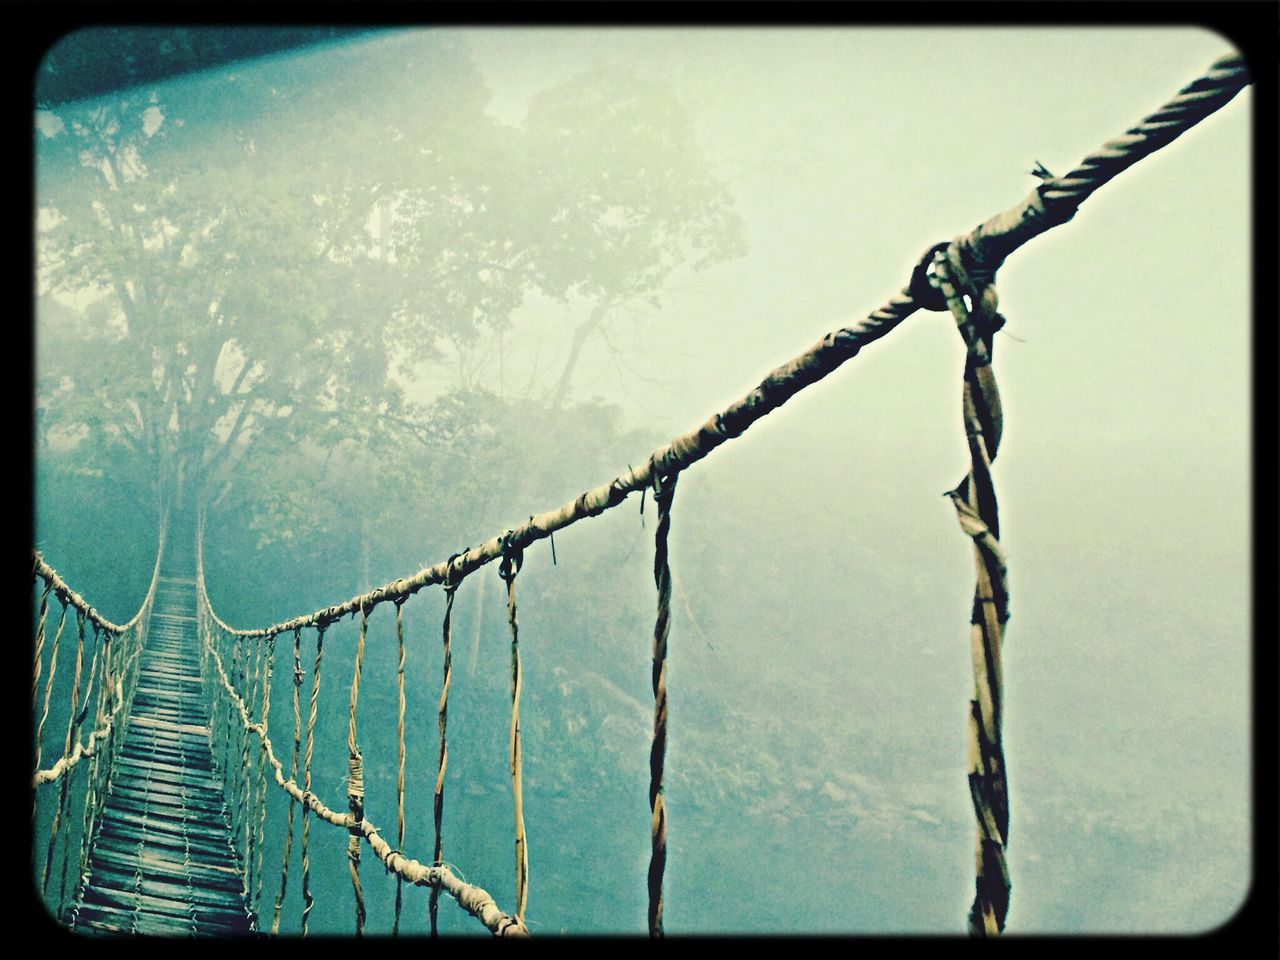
(254,271)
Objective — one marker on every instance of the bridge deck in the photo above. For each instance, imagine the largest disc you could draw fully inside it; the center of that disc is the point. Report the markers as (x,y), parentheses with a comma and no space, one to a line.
(162,862)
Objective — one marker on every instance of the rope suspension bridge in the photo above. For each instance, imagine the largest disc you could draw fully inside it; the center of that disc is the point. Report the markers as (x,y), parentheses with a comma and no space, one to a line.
(169,778)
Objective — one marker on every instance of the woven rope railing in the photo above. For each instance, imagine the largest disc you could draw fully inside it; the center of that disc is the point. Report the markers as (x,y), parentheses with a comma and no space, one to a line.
(957,275)
(107,689)
(233,695)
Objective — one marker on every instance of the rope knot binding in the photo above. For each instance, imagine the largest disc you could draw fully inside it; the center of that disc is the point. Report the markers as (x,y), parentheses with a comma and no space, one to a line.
(923,287)
(512,556)
(450,583)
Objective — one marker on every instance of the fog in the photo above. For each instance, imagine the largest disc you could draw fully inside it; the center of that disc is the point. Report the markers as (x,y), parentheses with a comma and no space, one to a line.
(699,206)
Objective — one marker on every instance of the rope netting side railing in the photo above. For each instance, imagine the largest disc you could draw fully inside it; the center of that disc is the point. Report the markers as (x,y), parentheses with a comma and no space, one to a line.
(238,671)
(958,276)
(105,689)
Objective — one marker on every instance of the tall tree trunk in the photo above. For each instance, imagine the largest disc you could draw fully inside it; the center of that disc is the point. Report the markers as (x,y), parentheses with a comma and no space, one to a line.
(580,337)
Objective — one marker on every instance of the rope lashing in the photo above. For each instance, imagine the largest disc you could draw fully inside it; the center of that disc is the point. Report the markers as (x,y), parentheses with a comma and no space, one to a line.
(442,763)
(664,489)
(512,559)
(976,509)
(355,780)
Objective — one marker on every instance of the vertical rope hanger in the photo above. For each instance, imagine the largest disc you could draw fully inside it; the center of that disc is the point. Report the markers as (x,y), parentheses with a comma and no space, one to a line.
(248,815)
(395,924)
(355,780)
(450,588)
(262,775)
(35,670)
(663,491)
(512,558)
(308,901)
(94,782)
(293,775)
(976,509)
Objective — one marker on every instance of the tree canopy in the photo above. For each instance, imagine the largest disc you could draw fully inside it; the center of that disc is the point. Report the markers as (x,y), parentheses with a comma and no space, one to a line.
(264,263)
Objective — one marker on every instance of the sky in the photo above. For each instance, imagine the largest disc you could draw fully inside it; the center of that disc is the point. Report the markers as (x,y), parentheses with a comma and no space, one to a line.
(1123,472)
(1125,377)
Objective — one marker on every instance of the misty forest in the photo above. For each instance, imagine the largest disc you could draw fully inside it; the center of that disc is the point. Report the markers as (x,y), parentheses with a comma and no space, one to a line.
(353,308)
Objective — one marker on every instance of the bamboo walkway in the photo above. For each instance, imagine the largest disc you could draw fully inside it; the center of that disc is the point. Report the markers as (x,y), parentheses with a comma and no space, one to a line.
(163,863)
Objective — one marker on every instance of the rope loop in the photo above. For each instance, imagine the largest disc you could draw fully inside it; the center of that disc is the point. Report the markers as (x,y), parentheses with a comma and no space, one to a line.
(923,287)
(449,584)
(512,556)
(663,483)
(972,301)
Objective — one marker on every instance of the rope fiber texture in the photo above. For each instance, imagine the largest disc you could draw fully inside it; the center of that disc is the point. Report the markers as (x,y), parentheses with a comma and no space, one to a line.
(976,509)
(663,492)
(512,558)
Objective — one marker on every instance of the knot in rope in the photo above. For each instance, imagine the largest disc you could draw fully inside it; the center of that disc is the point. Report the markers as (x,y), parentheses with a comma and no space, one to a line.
(512,556)
(449,584)
(923,287)
(663,482)
(972,302)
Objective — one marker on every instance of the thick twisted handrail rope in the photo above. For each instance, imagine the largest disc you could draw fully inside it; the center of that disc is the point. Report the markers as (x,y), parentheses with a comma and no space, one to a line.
(1052,203)
(512,559)
(442,763)
(68,598)
(976,509)
(64,592)
(473,899)
(664,490)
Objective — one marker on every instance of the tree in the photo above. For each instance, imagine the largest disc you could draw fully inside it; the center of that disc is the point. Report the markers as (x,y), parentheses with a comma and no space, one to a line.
(258,266)
(628,194)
